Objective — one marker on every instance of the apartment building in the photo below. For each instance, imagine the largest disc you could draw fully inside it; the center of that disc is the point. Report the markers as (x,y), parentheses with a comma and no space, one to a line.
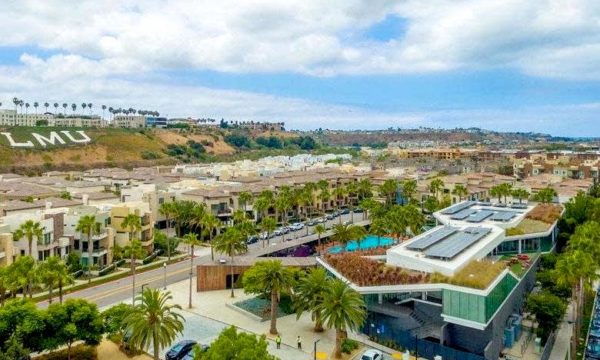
(6,246)
(13,118)
(129,121)
(122,235)
(101,242)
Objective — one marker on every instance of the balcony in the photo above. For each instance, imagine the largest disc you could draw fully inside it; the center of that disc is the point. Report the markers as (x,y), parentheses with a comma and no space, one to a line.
(47,246)
(100,236)
(100,251)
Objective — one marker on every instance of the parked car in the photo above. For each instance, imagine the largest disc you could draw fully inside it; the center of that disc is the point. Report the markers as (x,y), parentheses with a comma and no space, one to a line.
(344,211)
(372,354)
(278,232)
(179,350)
(347,222)
(296,226)
(320,220)
(358,210)
(330,217)
(252,239)
(312,222)
(190,354)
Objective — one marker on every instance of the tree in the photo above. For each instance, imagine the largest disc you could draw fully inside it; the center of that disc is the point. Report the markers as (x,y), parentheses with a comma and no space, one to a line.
(48,272)
(191,239)
(345,233)
(234,345)
(364,189)
(409,189)
(245,197)
(22,318)
(164,242)
(22,275)
(388,189)
(436,186)
(548,309)
(309,295)
(231,242)
(114,319)
(29,229)
(269,277)
(283,203)
(211,223)
(167,209)
(268,225)
(63,278)
(154,321)
(461,191)
(545,195)
(134,251)
(89,226)
(431,204)
(319,230)
(75,320)
(342,309)
(14,349)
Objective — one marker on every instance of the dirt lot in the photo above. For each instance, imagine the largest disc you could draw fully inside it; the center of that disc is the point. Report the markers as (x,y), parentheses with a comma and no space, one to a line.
(108,350)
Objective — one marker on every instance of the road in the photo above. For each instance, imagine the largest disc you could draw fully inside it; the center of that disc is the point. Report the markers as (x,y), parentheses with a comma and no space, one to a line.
(120,290)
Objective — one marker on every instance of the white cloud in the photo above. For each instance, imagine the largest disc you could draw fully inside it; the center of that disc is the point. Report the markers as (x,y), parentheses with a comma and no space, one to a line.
(555,38)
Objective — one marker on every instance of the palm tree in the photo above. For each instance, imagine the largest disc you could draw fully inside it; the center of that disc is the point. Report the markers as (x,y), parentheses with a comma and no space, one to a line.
(29,229)
(134,251)
(244,198)
(211,223)
(339,194)
(319,230)
(461,191)
(22,275)
(154,322)
(167,209)
(83,106)
(48,273)
(89,226)
(103,110)
(269,277)
(378,228)
(436,186)
(74,107)
(283,204)
(55,107)
(63,278)
(310,292)
(46,104)
(231,242)
(262,204)
(351,192)
(343,309)
(191,239)
(90,107)
(365,188)
(388,189)
(520,194)
(4,283)
(65,105)
(36,105)
(268,225)
(345,233)
(409,189)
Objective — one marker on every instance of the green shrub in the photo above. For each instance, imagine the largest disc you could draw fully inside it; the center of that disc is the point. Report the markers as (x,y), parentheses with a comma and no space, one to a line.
(150,155)
(80,352)
(349,346)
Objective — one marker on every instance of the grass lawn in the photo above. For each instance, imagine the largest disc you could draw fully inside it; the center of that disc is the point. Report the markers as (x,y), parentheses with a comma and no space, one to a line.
(528,226)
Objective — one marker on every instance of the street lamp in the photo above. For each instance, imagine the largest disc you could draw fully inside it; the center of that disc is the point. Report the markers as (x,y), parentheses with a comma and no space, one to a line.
(164,276)
(143,286)
(315,349)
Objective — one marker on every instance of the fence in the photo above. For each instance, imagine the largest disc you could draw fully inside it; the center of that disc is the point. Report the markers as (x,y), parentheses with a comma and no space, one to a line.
(548,347)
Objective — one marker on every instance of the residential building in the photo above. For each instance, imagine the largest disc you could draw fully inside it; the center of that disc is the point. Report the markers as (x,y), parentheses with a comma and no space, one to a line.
(102,241)
(6,246)
(129,121)
(122,234)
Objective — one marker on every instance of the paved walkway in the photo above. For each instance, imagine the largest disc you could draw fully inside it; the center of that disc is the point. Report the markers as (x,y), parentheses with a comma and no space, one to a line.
(563,336)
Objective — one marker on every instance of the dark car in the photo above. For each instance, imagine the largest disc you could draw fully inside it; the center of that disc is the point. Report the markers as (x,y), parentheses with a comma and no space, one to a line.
(179,350)
(344,211)
(252,239)
(190,354)
(330,217)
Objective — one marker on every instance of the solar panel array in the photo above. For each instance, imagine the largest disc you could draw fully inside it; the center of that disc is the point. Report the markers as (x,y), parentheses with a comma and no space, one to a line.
(458,207)
(519,206)
(457,243)
(463,214)
(479,216)
(432,238)
(503,216)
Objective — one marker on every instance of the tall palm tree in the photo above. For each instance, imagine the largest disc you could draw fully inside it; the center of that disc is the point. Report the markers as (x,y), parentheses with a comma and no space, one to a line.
(436,186)
(268,225)
(63,278)
(29,229)
(409,189)
(35,106)
(352,194)
(343,309)
(46,105)
(191,239)
(103,110)
(153,321)
(461,191)
(339,193)
(231,242)
(83,106)
(269,277)
(90,107)
(134,251)
(74,107)
(65,105)
(55,107)
(245,197)
(345,233)
(388,189)
(319,230)
(211,224)
(167,209)
(309,294)
(283,203)
(365,188)
(22,275)
(89,226)
(520,194)
(48,273)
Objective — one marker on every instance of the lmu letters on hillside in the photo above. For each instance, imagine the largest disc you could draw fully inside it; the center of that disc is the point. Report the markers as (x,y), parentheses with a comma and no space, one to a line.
(53,138)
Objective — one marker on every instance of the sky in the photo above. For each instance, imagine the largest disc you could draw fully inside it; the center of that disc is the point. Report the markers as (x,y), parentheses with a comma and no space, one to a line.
(507,65)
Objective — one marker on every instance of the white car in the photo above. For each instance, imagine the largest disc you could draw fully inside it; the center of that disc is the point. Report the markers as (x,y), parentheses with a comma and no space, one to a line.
(372,354)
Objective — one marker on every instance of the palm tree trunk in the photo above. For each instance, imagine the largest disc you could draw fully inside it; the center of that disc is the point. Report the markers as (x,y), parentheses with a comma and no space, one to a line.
(338,343)
(50,294)
(60,291)
(30,246)
(90,260)
(212,251)
(273,329)
(168,242)
(319,244)
(191,274)
(133,280)
(232,282)
(318,323)
(155,345)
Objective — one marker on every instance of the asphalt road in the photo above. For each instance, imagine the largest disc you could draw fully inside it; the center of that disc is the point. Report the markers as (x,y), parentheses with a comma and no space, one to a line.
(120,290)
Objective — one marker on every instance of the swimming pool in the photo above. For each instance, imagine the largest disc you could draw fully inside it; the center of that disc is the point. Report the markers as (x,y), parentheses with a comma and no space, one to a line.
(369,242)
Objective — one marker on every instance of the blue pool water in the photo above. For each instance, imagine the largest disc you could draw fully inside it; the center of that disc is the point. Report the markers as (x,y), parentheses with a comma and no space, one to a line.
(370,242)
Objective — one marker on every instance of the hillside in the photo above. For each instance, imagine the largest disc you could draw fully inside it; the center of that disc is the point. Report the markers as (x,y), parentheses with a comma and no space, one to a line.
(107,147)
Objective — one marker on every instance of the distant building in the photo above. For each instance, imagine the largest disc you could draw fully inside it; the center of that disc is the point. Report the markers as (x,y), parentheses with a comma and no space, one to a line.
(156,122)
(129,121)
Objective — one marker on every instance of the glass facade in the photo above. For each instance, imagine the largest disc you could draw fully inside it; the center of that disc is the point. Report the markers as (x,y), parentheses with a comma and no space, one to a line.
(539,244)
(475,307)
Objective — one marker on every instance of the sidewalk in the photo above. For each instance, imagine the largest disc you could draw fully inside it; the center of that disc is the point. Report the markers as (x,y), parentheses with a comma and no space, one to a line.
(562,344)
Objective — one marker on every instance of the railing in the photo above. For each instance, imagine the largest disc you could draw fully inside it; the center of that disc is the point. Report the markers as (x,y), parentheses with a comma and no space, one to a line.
(548,347)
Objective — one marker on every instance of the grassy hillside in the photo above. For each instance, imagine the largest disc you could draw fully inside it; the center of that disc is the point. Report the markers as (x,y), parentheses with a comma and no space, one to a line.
(108,147)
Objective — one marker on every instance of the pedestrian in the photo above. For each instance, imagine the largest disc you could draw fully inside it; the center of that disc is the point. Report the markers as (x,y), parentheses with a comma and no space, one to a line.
(278,341)
(299,343)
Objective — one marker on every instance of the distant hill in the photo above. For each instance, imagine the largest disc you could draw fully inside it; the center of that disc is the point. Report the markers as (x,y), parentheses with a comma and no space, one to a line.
(106,147)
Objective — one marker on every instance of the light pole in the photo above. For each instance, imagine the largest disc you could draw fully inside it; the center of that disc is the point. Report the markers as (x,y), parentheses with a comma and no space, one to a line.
(315,349)
(164,276)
